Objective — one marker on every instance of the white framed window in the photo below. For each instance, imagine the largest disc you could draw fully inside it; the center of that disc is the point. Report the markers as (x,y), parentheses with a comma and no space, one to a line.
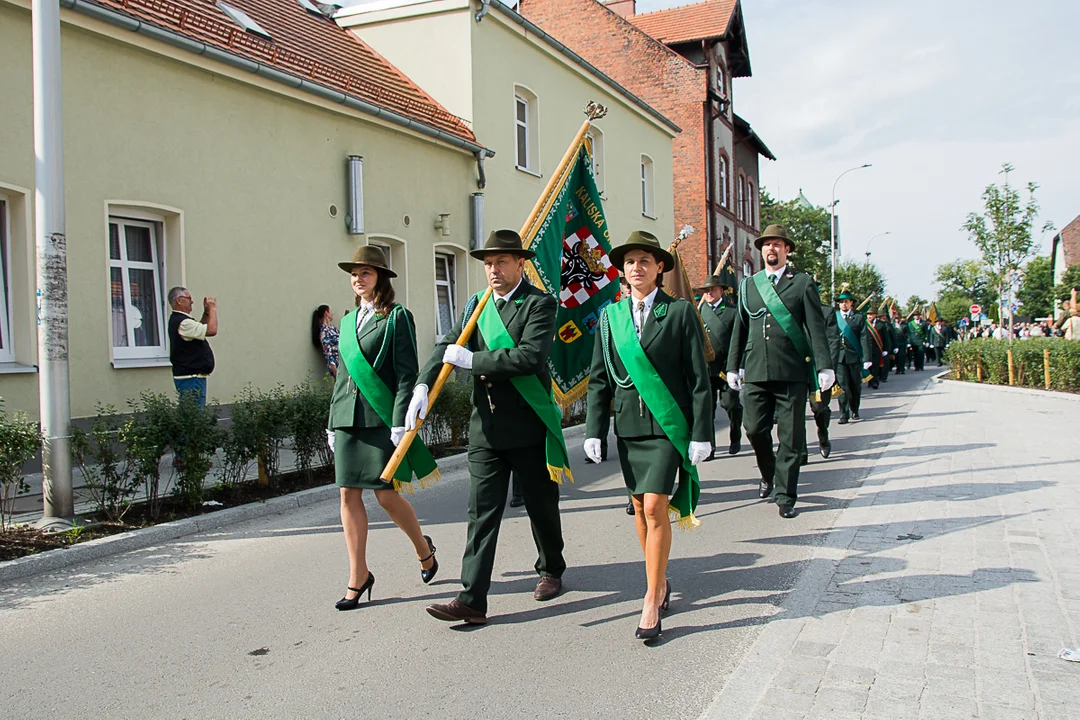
(750,204)
(7,350)
(722,181)
(739,203)
(721,85)
(648,208)
(526,130)
(387,252)
(136,289)
(596,145)
(445,293)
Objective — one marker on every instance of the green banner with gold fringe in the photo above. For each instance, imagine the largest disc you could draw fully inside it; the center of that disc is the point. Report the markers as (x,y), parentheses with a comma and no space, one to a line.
(572,244)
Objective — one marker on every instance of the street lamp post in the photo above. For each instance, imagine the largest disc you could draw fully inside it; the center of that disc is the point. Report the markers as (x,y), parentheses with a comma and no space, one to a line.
(887,232)
(832,229)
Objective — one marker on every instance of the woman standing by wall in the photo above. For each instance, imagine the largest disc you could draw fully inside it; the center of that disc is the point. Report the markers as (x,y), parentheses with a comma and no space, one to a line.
(324,336)
(378,368)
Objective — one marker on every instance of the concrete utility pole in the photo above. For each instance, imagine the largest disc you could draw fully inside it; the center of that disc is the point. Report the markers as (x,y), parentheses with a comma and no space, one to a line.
(832,230)
(52,292)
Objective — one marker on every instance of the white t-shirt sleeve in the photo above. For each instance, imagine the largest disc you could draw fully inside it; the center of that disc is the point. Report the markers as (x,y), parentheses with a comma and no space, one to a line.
(192,329)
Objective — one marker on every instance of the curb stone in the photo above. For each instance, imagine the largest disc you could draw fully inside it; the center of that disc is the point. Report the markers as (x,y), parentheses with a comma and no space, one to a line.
(50,560)
(1010,388)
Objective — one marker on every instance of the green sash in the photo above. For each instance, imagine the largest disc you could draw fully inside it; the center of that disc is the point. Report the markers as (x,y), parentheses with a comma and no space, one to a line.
(496,337)
(661,404)
(849,333)
(787,323)
(418,459)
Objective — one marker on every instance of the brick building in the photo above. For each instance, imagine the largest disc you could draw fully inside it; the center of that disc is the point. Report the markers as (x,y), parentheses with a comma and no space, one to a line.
(682,62)
(1065,250)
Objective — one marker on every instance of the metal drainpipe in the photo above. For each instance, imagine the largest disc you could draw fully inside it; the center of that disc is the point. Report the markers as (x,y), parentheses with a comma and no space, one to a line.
(485,7)
(481,176)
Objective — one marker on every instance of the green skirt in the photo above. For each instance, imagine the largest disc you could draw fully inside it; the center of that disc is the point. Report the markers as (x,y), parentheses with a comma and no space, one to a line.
(360,454)
(649,465)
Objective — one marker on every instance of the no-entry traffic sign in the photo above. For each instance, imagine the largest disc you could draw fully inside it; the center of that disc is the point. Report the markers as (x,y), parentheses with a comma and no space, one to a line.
(975,309)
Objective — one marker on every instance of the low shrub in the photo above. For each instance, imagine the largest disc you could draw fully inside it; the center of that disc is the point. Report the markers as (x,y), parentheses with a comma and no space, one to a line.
(20,441)
(109,473)
(967,359)
(308,412)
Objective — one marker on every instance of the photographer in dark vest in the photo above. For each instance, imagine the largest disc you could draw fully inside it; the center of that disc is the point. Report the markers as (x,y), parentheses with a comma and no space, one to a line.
(191,357)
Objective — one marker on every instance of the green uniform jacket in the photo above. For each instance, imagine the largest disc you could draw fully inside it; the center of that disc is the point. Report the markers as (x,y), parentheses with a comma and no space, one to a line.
(832,332)
(674,343)
(885,331)
(901,334)
(348,408)
(852,355)
(529,316)
(939,340)
(762,347)
(918,333)
(718,326)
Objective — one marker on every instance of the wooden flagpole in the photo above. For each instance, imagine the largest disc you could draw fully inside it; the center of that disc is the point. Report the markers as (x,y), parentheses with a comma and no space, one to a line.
(863,303)
(593,111)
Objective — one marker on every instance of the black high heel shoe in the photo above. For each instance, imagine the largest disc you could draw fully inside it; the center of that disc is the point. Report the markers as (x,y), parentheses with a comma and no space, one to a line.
(429,574)
(647,634)
(353,603)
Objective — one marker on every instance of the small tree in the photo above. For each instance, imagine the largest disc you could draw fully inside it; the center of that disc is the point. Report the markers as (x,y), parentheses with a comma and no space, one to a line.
(966,278)
(863,280)
(951,308)
(1036,288)
(20,441)
(1069,280)
(1003,232)
(108,473)
(808,228)
(914,302)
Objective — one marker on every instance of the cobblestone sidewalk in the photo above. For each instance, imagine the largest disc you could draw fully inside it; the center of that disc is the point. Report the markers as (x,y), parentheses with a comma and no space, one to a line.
(950,583)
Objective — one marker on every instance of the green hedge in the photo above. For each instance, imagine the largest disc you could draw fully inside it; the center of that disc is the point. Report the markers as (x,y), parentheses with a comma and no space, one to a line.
(965,359)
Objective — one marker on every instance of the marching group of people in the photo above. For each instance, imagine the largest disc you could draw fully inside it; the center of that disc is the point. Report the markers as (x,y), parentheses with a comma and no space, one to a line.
(776,347)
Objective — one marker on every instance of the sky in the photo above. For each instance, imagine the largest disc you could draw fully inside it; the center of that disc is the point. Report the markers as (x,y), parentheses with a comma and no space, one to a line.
(935,94)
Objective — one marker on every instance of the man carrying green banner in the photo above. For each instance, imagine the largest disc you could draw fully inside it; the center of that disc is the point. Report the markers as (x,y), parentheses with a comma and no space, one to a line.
(515,427)
(649,361)
(854,362)
(779,338)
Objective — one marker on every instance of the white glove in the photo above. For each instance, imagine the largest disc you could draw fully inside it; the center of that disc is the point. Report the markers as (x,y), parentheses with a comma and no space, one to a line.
(895,350)
(742,373)
(330,439)
(457,355)
(418,407)
(396,434)
(734,381)
(825,379)
(592,449)
(866,365)
(885,353)
(699,451)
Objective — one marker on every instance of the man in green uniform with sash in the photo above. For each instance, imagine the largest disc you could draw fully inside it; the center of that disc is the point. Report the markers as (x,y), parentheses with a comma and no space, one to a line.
(515,425)
(821,403)
(918,334)
(881,343)
(719,319)
(899,330)
(855,356)
(779,337)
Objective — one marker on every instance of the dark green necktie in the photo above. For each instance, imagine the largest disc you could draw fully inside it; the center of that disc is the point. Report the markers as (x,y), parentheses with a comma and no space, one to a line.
(500,303)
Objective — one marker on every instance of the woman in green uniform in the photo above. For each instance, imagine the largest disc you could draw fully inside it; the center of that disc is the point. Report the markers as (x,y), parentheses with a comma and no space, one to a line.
(367,418)
(649,359)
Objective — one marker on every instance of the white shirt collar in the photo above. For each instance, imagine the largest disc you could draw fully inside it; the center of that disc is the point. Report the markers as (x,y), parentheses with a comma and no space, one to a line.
(649,299)
(774,273)
(502,297)
(365,310)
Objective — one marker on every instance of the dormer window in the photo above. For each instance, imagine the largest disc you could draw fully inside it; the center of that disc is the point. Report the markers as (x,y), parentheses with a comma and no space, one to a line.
(242,19)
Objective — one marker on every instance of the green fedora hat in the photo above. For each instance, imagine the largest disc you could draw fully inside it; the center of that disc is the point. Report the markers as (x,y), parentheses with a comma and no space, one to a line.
(503,241)
(774,231)
(726,279)
(370,256)
(641,240)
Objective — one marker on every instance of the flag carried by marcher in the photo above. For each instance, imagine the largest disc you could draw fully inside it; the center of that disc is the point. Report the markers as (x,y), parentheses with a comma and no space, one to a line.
(571,243)
(932,315)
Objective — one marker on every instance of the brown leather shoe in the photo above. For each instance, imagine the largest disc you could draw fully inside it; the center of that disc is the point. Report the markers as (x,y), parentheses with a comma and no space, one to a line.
(457,611)
(549,587)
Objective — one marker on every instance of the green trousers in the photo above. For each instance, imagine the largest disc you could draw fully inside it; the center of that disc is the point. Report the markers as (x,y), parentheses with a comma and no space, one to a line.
(849,377)
(489,482)
(729,403)
(901,359)
(822,412)
(788,401)
(919,354)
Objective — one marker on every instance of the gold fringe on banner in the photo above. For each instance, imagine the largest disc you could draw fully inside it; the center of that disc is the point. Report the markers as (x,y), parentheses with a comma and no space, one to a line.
(424,483)
(556,474)
(690,522)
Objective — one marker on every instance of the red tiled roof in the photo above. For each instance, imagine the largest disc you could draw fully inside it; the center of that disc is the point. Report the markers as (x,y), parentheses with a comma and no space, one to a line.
(704,20)
(302,44)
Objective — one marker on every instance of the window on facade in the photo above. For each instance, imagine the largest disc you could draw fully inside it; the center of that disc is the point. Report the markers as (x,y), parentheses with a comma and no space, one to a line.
(740,202)
(721,86)
(445,292)
(750,204)
(136,269)
(596,143)
(526,138)
(386,251)
(722,181)
(647,205)
(7,352)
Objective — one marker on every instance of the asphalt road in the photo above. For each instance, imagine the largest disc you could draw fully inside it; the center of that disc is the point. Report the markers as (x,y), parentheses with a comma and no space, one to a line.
(240,623)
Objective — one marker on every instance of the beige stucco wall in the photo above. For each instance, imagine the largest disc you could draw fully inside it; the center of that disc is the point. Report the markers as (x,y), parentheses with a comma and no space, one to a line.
(504,56)
(249,172)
